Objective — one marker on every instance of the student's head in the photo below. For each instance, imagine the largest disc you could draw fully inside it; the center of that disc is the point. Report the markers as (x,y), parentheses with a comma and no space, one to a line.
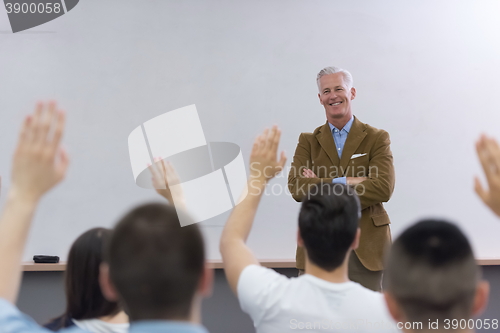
(155,266)
(431,274)
(84,299)
(328,224)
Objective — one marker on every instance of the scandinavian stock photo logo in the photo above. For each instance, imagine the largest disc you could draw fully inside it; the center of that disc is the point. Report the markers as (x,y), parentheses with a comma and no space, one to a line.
(211,176)
(26,14)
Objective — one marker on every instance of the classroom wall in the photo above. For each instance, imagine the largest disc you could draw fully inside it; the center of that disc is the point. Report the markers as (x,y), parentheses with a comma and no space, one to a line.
(42,297)
(426,71)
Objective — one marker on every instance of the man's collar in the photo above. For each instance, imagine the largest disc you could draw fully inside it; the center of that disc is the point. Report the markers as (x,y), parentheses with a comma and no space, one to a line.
(347,126)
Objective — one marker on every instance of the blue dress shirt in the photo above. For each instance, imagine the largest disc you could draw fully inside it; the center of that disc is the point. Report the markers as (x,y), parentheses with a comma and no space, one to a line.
(340,136)
(14,321)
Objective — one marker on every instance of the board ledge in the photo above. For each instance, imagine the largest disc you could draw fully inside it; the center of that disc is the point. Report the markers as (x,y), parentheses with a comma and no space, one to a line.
(216,264)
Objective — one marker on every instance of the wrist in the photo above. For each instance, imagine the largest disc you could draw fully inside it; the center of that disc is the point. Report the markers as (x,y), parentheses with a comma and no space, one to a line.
(24,197)
(256,185)
(258,180)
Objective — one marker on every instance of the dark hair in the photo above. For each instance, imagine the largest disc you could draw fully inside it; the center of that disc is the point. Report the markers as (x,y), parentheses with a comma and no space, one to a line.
(84,299)
(328,222)
(155,264)
(431,272)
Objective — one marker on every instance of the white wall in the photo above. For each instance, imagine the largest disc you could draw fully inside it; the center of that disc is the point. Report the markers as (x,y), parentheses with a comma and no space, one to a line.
(426,71)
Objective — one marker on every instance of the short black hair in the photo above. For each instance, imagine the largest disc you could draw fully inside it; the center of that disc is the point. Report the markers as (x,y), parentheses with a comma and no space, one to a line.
(431,272)
(155,264)
(328,222)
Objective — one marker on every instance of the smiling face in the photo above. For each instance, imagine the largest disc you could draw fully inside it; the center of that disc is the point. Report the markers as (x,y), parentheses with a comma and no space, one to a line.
(336,96)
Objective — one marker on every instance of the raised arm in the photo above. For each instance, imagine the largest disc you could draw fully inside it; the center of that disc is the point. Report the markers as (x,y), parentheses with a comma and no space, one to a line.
(39,164)
(263,166)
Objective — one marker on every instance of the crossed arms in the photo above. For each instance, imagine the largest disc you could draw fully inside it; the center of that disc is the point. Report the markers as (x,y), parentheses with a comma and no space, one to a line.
(375,188)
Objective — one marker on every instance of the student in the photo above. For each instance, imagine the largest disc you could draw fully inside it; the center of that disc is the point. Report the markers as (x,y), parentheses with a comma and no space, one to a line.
(323,298)
(152,265)
(432,282)
(488,152)
(86,306)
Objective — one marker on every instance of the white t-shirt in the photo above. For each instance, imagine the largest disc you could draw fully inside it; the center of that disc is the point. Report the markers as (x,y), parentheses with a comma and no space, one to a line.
(99,326)
(278,304)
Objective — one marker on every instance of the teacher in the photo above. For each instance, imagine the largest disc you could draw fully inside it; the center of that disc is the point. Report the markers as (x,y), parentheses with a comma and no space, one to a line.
(345,150)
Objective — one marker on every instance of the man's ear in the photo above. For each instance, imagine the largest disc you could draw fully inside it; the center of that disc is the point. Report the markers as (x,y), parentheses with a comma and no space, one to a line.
(300,241)
(353,93)
(206,282)
(355,242)
(107,287)
(393,307)
(319,97)
(481,298)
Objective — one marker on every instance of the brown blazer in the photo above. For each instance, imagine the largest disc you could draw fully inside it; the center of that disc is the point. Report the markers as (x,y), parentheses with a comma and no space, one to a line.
(317,152)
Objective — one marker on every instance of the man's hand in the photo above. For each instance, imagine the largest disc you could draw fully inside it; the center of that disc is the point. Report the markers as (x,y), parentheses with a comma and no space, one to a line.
(308,173)
(355,180)
(263,162)
(164,179)
(39,161)
(488,152)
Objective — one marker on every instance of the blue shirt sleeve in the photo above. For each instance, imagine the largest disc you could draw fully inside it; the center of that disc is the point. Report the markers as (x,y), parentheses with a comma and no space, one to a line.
(14,321)
(340,180)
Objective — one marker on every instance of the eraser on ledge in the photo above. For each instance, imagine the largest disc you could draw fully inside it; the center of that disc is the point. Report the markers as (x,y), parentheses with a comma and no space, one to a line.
(41,259)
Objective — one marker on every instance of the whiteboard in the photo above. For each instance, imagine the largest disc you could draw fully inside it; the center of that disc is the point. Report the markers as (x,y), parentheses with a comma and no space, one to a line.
(425,71)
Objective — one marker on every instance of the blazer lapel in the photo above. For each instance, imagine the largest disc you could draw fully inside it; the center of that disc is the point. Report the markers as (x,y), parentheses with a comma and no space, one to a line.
(325,139)
(354,139)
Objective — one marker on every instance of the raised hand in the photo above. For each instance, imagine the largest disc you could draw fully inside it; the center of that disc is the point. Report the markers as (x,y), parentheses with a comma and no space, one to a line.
(488,152)
(164,179)
(39,161)
(264,164)
(39,164)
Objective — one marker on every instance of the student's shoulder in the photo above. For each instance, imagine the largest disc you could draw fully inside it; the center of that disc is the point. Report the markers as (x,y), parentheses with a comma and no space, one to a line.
(257,277)
(14,321)
(262,273)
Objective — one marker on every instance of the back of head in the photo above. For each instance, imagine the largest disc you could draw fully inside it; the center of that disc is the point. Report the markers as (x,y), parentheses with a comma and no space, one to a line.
(84,299)
(328,222)
(155,264)
(431,272)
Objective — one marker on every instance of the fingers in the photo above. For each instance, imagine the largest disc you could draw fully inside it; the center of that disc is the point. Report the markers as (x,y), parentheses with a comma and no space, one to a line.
(35,128)
(489,155)
(480,190)
(160,165)
(158,174)
(282,161)
(275,140)
(44,129)
(63,163)
(494,153)
(154,175)
(485,158)
(308,173)
(263,139)
(44,123)
(60,122)
(171,174)
(25,129)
